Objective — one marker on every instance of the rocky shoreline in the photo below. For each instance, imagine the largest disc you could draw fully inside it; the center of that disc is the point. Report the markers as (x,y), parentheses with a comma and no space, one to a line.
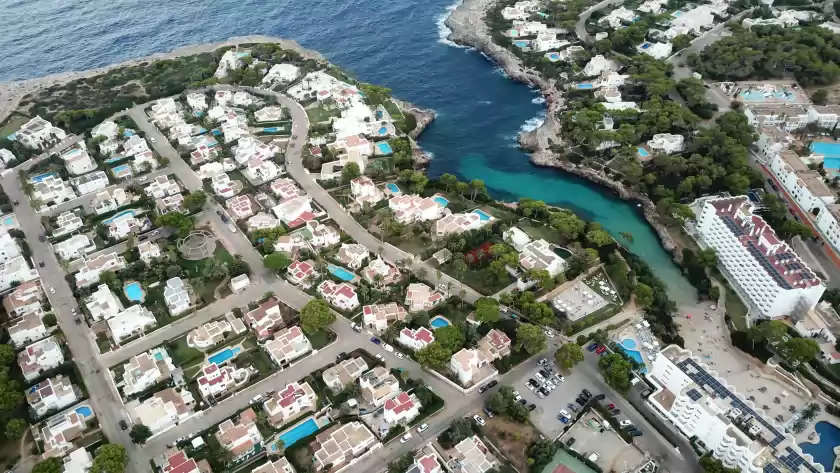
(12,92)
(466,23)
(424,117)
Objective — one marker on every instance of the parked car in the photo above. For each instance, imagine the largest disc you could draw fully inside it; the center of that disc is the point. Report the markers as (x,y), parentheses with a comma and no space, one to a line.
(572,407)
(153,139)
(380,357)
(493,384)
(588,395)
(539,377)
(532,407)
(570,442)
(256,399)
(375,340)
(488,412)
(522,401)
(479,420)
(42,238)
(599,397)
(615,412)
(225,219)
(405,438)
(562,419)
(545,373)
(533,381)
(549,386)
(123,425)
(482,389)
(565,413)
(387,347)
(542,362)
(610,406)
(341,356)
(580,401)
(422,428)
(635,433)
(52,290)
(530,386)
(601,349)
(592,346)
(356,327)
(78,321)
(516,396)
(548,333)
(625,423)
(400,355)
(41,264)
(542,392)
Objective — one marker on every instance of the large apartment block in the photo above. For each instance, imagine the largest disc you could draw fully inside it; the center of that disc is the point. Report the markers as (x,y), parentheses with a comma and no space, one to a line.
(768,274)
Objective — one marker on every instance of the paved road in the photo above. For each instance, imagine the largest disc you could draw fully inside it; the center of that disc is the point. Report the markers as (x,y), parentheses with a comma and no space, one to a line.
(580,26)
(294,165)
(104,398)
(59,147)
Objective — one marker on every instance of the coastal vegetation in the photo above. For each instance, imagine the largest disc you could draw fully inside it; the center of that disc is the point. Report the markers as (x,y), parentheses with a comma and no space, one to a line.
(811,54)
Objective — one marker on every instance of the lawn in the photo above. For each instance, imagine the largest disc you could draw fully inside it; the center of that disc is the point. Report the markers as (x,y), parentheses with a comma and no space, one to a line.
(540,232)
(321,338)
(182,354)
(414,245)
(479,279)
(320,114)
(12,124)
(194,269)
(512,439)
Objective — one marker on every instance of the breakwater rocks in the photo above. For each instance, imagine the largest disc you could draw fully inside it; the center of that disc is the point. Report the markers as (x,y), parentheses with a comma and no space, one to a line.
(547,159)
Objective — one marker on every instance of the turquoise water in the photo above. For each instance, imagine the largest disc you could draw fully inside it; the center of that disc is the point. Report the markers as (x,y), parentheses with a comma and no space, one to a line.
(393,187)
(271,129)
(643,152)
(128,133)
(584,86)
(9,221)
(134,292)
(341,273)
(826,148)
(108,221)
(553,57)
(823,452)
(159,356)
(224,355)
(384,148)
(438,322)
(84,411)
(509,181)
(298,432)
(115,159)
(441,200)
(121,169)
(628,346)
(521,44)
(383,131)
(481,214)
(41,177)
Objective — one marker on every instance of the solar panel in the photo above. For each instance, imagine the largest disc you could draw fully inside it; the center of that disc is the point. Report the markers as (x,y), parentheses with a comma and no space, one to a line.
(771,468)
(694,395)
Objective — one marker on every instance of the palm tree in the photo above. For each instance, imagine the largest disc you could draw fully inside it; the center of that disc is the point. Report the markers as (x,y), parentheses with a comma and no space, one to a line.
(799,425)
(811,411)
(422,273)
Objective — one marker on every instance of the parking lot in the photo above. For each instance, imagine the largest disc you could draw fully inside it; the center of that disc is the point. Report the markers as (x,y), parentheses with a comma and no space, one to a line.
(613,453)
(544,417)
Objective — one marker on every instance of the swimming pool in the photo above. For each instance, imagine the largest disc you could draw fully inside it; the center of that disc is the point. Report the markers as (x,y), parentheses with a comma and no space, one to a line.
(441,200)
(823,452)
(115,159)
(9,221)
(393,187)
(439,321)
(584,86)
(629,347)
(826,148)
(383,131)
(121,171)
(128,133)
(41,177)
(384,148)
(340,273)
(216,132)
(298,432)
(108,221)
(84,411)
(134,292)
(481,214)
(553,57)
(521,44)
(224,355)
(643,152)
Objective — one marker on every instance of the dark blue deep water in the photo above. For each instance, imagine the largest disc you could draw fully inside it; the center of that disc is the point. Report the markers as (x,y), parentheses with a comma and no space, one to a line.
(394,43)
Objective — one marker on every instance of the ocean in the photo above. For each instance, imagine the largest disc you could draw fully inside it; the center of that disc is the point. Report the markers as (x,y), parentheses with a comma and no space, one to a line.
(400,44)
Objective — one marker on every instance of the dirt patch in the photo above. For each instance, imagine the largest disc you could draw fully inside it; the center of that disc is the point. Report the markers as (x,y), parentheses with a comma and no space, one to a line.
(512,439)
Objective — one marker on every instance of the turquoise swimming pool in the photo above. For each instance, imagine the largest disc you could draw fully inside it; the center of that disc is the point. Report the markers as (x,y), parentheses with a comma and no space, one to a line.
(482,215)
(41,177)
(298,432)
(384,148)
(521,44)
(439,321)
(584,86)
(383,131)
(553,57)
(340,273)
(115,159)
(108,221)
(629,347)
(134,292)
(392,187)
(84,411)
(122,170)
(643,152)
(441,200)
(224,355)
(829,149)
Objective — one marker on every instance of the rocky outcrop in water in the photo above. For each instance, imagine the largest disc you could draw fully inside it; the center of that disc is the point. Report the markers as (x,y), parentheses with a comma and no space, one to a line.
(424,117)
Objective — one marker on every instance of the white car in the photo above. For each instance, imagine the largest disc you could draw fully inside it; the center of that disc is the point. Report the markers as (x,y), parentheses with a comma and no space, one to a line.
(531,387)
(422,428)
(565,413)
(380,357)
(142,178)
(479,420)
(400,355)
(405,438)
(540,377)
(548,333)
(388,348)
(152,139)
(549,385)
(625,423)
(52,290)
(516,396)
